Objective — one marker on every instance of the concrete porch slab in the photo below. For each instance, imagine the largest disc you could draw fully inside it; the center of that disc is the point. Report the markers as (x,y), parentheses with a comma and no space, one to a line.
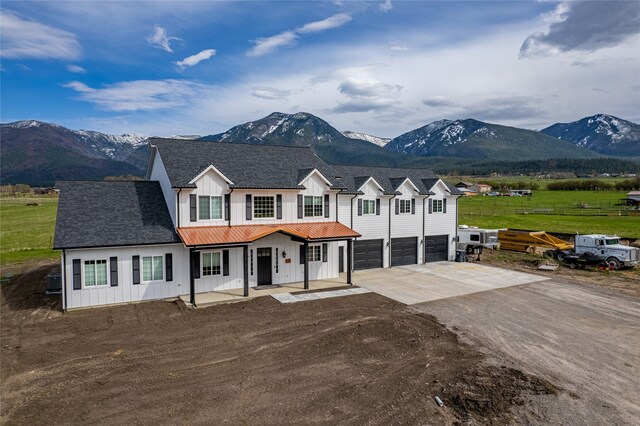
(294,298)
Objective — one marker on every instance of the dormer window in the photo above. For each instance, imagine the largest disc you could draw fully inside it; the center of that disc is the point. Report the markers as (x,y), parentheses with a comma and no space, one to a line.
(312,206)
(405,206)
(210,208)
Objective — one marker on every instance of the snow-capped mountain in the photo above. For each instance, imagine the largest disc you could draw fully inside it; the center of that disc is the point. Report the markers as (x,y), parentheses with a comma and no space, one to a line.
(39,153)
(365,137)
(475,139)
(602,133)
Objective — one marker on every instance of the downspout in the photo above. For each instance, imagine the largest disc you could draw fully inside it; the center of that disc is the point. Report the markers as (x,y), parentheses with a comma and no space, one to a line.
(337,206)
(389,240)
(351,203)
(64,279)
(422,236)
(178,207)
(230,206)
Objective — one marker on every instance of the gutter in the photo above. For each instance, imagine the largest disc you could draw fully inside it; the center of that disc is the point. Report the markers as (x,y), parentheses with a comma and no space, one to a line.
(389,240)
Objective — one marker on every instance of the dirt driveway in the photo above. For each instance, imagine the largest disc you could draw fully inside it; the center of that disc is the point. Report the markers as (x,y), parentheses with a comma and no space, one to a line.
(584,338)
(361,359)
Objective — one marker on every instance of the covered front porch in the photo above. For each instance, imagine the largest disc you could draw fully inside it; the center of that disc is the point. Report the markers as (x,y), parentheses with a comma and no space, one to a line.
(237,294)
(239,244)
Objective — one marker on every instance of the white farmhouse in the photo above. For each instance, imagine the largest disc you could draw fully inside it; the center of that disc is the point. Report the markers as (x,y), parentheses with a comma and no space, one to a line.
(220,216)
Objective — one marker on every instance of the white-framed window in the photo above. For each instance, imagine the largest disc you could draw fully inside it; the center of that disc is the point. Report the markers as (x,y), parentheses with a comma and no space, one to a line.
(95,273)
(210,207)
(368,207)
(211,264)
(315,253)
(405,206)
(263,207)
(152,269)
(437,206)
(312,206)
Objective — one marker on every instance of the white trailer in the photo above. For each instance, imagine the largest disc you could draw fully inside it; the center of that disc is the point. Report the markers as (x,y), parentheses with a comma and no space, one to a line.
(474,240)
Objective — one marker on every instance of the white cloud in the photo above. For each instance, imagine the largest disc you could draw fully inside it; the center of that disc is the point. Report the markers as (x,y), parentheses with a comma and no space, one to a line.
(334,21)
(141,95)
(76,69)
(196,59)
(269,44)
(160,40)
(386,6)
(438,102)
(270,93)
(398,48)
(365,93)
(265,45)
(27,39)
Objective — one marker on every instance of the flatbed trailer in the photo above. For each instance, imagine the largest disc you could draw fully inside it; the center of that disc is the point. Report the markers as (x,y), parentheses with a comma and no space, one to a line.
(530,241)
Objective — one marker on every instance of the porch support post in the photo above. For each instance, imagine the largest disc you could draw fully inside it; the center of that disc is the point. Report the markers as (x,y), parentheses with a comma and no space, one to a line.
(306,265)
(192,282)
(245,266)
(349,254)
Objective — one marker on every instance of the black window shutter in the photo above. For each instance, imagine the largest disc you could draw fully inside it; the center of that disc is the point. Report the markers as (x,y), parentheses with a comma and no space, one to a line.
(135,261)
(444,205)
(378,206)
(397,206)
(193,207)
(300,206)
(113,269)
(248,205)
(302,254)
(430,206)
(225,262)
(227,206)
(326,205)
(324,252)
(168,267)
(413,206)
(77,275)
(359,207)
(279,206)
(195,261)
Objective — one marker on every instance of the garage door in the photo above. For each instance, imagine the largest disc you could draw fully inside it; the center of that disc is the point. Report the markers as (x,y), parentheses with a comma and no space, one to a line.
(367,254)
(436,248)
(404,251)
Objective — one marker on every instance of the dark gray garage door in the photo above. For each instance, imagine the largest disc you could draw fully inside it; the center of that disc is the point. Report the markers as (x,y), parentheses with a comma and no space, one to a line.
(436,248)
(404,251)
(367,254)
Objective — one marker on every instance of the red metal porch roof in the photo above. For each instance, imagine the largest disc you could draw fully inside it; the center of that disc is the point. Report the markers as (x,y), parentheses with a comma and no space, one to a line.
(218,235)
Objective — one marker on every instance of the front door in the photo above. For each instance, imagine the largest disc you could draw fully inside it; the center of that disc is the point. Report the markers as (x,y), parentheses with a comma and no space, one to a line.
(341,259)
(264,266)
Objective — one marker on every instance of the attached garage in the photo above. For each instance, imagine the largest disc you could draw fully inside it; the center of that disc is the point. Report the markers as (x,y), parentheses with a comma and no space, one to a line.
(404,251)
(436,248)
(367,254)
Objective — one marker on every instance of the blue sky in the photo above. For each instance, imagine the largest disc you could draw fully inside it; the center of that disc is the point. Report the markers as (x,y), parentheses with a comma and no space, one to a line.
(384,67)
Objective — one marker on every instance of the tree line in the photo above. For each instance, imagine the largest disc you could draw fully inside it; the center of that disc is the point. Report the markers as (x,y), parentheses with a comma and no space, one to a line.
(594,185)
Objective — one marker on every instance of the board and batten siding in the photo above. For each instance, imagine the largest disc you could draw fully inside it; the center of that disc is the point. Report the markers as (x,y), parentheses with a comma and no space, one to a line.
(212,184)
(126,291)
(159,173)
(443,223)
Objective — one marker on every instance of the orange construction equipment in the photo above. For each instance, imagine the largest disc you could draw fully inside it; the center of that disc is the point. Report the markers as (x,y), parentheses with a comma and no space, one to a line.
(530,241)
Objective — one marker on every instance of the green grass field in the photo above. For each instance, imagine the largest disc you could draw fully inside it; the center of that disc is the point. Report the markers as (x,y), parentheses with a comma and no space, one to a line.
(26,232)
(554,211)
(513,181)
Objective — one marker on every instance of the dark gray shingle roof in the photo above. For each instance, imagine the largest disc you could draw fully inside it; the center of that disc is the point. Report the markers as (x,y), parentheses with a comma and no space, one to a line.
(112,213)
(389,178)
(246,165)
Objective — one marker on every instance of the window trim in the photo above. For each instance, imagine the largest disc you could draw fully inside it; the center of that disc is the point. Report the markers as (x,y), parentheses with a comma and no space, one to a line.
(438,205)
(313,205)
(95,274)
(407,206)
(312,252)
(210,199)
(255,205)
(211,253)
(142,258)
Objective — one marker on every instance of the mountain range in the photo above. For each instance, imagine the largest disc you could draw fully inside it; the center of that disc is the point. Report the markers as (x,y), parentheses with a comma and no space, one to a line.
(39,153)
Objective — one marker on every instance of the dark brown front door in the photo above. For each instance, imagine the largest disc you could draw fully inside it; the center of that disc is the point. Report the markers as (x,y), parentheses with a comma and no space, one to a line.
(264,266)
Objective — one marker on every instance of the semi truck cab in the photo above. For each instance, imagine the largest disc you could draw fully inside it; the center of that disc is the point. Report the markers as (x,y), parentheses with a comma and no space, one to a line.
(609,247)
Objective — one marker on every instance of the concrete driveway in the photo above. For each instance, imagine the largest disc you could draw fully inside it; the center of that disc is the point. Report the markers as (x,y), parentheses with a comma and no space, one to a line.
(438,280)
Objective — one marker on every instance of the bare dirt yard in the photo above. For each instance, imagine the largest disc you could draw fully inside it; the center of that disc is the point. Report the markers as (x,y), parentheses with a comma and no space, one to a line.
(357,359)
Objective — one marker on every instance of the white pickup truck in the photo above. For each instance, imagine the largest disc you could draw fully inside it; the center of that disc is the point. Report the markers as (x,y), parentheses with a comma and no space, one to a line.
(616,255)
